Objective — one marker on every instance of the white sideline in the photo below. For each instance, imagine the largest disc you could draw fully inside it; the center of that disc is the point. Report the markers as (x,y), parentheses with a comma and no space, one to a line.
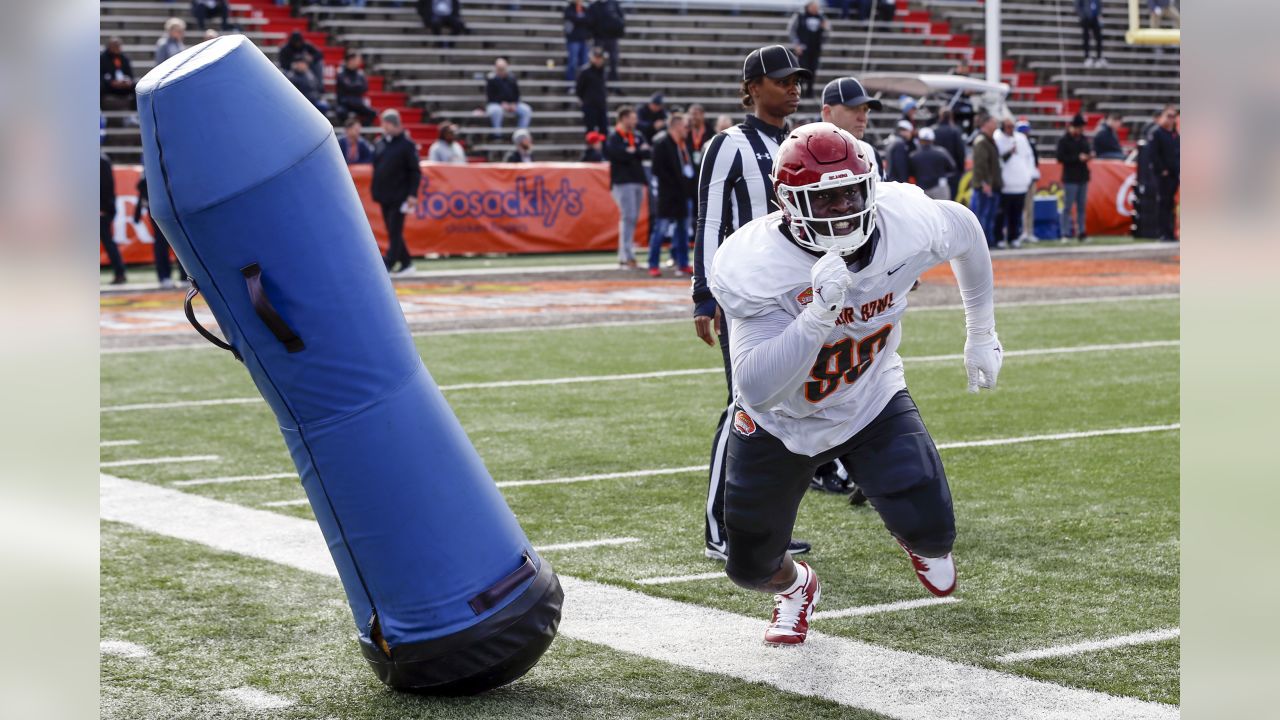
(116,443)
(586,544)
(1151,636)
(884,608)
(667,580)
(853,673)
(255,699)
(286,503)
(659,374)
(159,461)
(123,648)
(655,321)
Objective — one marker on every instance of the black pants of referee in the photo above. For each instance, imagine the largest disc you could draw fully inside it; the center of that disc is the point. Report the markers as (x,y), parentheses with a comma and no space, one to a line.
(896,465)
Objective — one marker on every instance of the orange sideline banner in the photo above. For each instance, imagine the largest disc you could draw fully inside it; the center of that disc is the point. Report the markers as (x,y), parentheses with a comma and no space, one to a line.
(565,207)
(482,208)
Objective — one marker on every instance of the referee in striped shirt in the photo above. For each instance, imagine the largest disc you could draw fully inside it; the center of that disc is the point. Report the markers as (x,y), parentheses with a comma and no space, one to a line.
(734,188)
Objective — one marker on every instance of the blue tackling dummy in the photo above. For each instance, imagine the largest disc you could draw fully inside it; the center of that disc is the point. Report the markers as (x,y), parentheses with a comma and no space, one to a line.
(250,188)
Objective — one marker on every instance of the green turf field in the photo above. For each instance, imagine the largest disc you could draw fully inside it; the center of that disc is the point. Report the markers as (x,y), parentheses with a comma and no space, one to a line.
(1060,541)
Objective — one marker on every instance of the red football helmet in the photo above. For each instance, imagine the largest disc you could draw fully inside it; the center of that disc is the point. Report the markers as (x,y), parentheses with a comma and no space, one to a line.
(818,158)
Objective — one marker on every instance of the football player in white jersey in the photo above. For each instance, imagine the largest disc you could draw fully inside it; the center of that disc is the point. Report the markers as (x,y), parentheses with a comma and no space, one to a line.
(815,295)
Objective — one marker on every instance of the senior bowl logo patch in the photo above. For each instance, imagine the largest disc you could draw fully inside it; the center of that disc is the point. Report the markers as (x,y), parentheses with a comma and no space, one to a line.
(805,297)
(743,423)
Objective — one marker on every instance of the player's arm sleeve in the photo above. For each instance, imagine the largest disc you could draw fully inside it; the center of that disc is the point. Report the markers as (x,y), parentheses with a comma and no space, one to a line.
(772,353)
(721,168)
(962,241)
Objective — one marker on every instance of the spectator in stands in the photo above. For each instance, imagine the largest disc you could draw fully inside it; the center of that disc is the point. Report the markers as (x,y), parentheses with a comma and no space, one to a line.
(1017,174)
(202,10)
(159,243)
(1106,142)
(724,122)
(396,177)
(909,108)
(948,137)
(440,14)
(522,147)
(502,92)
(594,150)
(1090,12)
(807,30)
(1161,9)
(307,83)
(651,118)
(592,90)
(355,149)
(1074,154)
(985,184)
(608,24)
(577,37)
(106,218)
(700,131)
(297,47)
(1028,212)
(351,88)
(898,153)
(446,148)
(673,168)
(626,150)
(932,167)
(171,43)
(844,6)
(116,73)
(1166,163)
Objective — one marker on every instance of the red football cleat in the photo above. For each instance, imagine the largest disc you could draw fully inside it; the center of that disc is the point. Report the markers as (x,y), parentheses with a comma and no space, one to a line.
(938,575)
(790,623)
(655,272)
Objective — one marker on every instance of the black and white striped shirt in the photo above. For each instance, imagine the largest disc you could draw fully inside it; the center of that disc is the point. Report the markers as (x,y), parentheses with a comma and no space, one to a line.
(733,188)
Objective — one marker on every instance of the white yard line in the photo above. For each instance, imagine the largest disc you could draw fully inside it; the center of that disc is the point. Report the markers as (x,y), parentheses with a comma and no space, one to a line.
(1152,636)
(605,476)
(587,544)
(181,404)
(575,379)
(891,682)
(116,443)
(1061,436)
(159,461)
(232,479)
(123,648)
(287,503)
(667,580)
(883,608)
(197,344)
(255,699)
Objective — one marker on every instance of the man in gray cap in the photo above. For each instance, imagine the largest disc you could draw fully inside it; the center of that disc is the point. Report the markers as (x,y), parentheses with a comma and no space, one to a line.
(734,186)
(846,104)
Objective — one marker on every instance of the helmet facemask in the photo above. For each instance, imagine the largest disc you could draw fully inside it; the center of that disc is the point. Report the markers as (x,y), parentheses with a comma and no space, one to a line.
(843,233)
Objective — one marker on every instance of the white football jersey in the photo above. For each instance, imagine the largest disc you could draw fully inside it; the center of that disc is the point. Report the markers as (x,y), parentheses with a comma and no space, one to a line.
(762,281)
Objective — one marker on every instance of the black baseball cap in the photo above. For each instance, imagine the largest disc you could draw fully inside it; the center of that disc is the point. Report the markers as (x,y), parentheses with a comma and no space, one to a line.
(774,61)
(848,91)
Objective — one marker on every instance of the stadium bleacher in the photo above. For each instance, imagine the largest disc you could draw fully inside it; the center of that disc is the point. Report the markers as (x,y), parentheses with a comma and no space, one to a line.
(690,51)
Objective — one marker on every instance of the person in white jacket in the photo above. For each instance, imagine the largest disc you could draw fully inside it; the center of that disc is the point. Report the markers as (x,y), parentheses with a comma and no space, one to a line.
(1017,173)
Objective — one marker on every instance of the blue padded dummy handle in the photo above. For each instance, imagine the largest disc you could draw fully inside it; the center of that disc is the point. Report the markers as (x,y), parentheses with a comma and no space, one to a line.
(491,597)
(267,313)
(191,318)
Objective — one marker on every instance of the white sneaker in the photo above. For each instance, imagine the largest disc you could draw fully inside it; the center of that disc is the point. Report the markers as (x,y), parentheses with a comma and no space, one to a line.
(938,575)
(790,622)
(1100,62)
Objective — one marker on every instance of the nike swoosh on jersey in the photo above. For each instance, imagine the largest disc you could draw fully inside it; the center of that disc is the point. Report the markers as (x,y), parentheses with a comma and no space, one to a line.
(896,269)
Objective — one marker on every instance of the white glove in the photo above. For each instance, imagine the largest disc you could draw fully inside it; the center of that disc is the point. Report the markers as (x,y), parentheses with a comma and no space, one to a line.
(982,358)
(831,280)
